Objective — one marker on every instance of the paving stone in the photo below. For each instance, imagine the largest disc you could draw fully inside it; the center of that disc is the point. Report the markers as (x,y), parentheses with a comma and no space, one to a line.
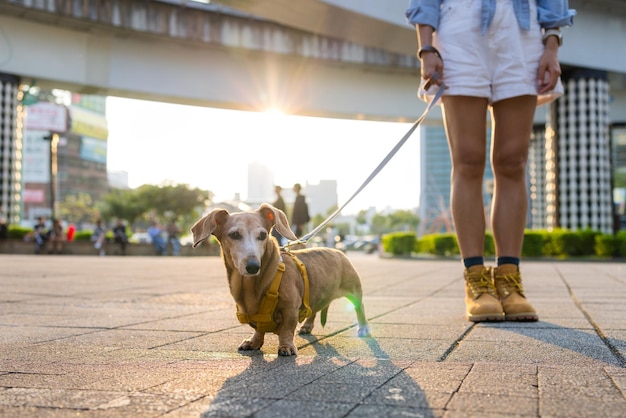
(140,336)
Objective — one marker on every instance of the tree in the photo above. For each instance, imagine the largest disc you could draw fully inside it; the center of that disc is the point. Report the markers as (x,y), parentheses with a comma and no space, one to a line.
(174,201)
(379,224)
(400,220)
(403,220)
(165,202)
(77,209)
(123,204)
(361,217)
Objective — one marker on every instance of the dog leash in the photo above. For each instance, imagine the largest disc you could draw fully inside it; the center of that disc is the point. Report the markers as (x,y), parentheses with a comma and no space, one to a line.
(383,163)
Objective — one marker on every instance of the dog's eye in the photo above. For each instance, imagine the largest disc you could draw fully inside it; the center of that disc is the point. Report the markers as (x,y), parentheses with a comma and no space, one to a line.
(234,235)
(262,236)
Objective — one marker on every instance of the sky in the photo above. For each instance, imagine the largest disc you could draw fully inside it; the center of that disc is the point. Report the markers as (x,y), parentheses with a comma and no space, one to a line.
(211,149)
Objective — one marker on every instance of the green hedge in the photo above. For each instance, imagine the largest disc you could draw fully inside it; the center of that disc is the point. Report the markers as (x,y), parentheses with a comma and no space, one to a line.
(399,243)
(537,243)
(18,232)
(82,235)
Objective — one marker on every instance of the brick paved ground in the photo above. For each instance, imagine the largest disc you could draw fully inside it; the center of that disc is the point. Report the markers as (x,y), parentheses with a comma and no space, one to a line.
(157,336)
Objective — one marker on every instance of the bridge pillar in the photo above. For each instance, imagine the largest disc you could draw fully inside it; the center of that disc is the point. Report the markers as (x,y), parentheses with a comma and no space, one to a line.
(11,122)
(578,155)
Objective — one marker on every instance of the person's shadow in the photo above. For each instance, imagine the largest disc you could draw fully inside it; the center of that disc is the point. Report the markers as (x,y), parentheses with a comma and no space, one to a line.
(591,343)
(326,383)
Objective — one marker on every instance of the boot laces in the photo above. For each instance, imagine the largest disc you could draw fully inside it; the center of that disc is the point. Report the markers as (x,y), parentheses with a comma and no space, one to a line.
(480,283)
(509,283)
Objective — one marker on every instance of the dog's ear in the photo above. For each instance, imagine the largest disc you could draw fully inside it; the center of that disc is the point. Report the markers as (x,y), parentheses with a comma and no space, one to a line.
(210,224)
(276,218)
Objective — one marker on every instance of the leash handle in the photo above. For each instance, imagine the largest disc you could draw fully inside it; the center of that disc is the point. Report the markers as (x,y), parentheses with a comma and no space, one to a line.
(374,173)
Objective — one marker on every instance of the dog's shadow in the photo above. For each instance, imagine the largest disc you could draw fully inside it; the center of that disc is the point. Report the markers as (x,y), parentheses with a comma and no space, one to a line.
(324,383)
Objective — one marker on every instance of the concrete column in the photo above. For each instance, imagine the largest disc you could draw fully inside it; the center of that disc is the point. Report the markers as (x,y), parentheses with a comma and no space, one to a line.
(537,179)
(578,158)
(11,122)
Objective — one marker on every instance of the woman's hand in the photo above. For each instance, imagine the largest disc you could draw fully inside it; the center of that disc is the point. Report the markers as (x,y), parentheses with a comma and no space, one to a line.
(549,69)
(430,61)
(432,69)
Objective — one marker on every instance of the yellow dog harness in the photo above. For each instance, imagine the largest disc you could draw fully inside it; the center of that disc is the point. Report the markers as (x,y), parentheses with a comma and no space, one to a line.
(263,320)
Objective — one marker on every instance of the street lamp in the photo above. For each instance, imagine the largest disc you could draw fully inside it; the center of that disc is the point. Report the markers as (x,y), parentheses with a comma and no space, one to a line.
(53,137)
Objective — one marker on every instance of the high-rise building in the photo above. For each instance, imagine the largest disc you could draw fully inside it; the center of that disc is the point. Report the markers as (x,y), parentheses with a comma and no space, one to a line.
(83,159)
(321,197)
(260,184)
(80,154)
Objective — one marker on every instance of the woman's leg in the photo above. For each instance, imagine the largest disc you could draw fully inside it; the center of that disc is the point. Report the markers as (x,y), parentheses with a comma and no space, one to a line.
(465,119)
(512,126)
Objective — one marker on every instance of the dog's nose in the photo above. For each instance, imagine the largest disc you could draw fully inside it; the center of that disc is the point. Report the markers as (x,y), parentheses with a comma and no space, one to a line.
(253,267)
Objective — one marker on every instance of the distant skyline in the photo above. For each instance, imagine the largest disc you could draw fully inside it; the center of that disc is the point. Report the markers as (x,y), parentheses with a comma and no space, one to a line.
(211,149)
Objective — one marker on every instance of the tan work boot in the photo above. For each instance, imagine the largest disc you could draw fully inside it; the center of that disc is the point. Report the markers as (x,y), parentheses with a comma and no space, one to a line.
(481,299)
(508,282)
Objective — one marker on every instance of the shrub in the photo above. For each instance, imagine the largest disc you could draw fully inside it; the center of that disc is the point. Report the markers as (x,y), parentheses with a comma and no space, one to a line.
(587,245)
(606,245)
(621,244)
(399,243)
(533,243)
(82,235)
(446,244)
(490,245)
(561,243)
(18,232)
(438,244)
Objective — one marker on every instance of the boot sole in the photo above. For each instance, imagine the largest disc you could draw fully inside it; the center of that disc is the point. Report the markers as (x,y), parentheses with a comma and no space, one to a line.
(522,317)
(485,318)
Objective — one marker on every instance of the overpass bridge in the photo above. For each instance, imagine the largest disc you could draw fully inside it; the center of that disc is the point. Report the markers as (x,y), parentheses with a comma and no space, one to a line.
(353,59)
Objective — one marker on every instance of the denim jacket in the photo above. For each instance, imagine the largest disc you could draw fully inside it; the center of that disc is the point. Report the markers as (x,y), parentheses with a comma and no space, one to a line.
(551,13)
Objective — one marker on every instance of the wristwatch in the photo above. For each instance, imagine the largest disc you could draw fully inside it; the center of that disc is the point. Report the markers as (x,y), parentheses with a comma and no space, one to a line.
(553,32)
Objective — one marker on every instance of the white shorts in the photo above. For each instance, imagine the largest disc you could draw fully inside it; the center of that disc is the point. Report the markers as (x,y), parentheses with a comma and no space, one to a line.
(499,64)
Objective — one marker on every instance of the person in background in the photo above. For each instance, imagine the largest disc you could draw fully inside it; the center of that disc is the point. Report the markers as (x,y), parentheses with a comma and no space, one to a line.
(71,231)
(173,233)
(120,236)
(300,216)
(57,237)
(39,235)
(497,56)
(99,236)
(4,228)
(279,203)
(156,235)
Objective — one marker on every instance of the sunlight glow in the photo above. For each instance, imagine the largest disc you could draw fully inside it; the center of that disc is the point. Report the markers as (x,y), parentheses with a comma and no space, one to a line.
(211,149)
(274,111)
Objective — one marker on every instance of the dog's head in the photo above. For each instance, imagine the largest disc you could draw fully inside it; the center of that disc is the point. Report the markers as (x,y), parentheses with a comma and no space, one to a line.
(243,235)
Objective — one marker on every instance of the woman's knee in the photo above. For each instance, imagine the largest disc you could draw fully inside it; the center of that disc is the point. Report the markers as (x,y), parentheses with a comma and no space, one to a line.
(511,165)
(469,166)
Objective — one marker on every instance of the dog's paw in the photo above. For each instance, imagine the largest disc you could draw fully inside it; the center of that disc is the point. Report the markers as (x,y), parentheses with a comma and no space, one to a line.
(248,345)
(287,350)
(364,331)
(305,330)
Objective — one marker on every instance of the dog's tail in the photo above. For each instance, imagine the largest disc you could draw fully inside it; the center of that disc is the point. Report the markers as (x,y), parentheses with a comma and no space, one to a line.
(323,315)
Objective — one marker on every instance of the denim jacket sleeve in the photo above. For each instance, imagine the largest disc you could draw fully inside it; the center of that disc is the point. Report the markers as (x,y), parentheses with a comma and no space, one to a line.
(423,12)
(555,14)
